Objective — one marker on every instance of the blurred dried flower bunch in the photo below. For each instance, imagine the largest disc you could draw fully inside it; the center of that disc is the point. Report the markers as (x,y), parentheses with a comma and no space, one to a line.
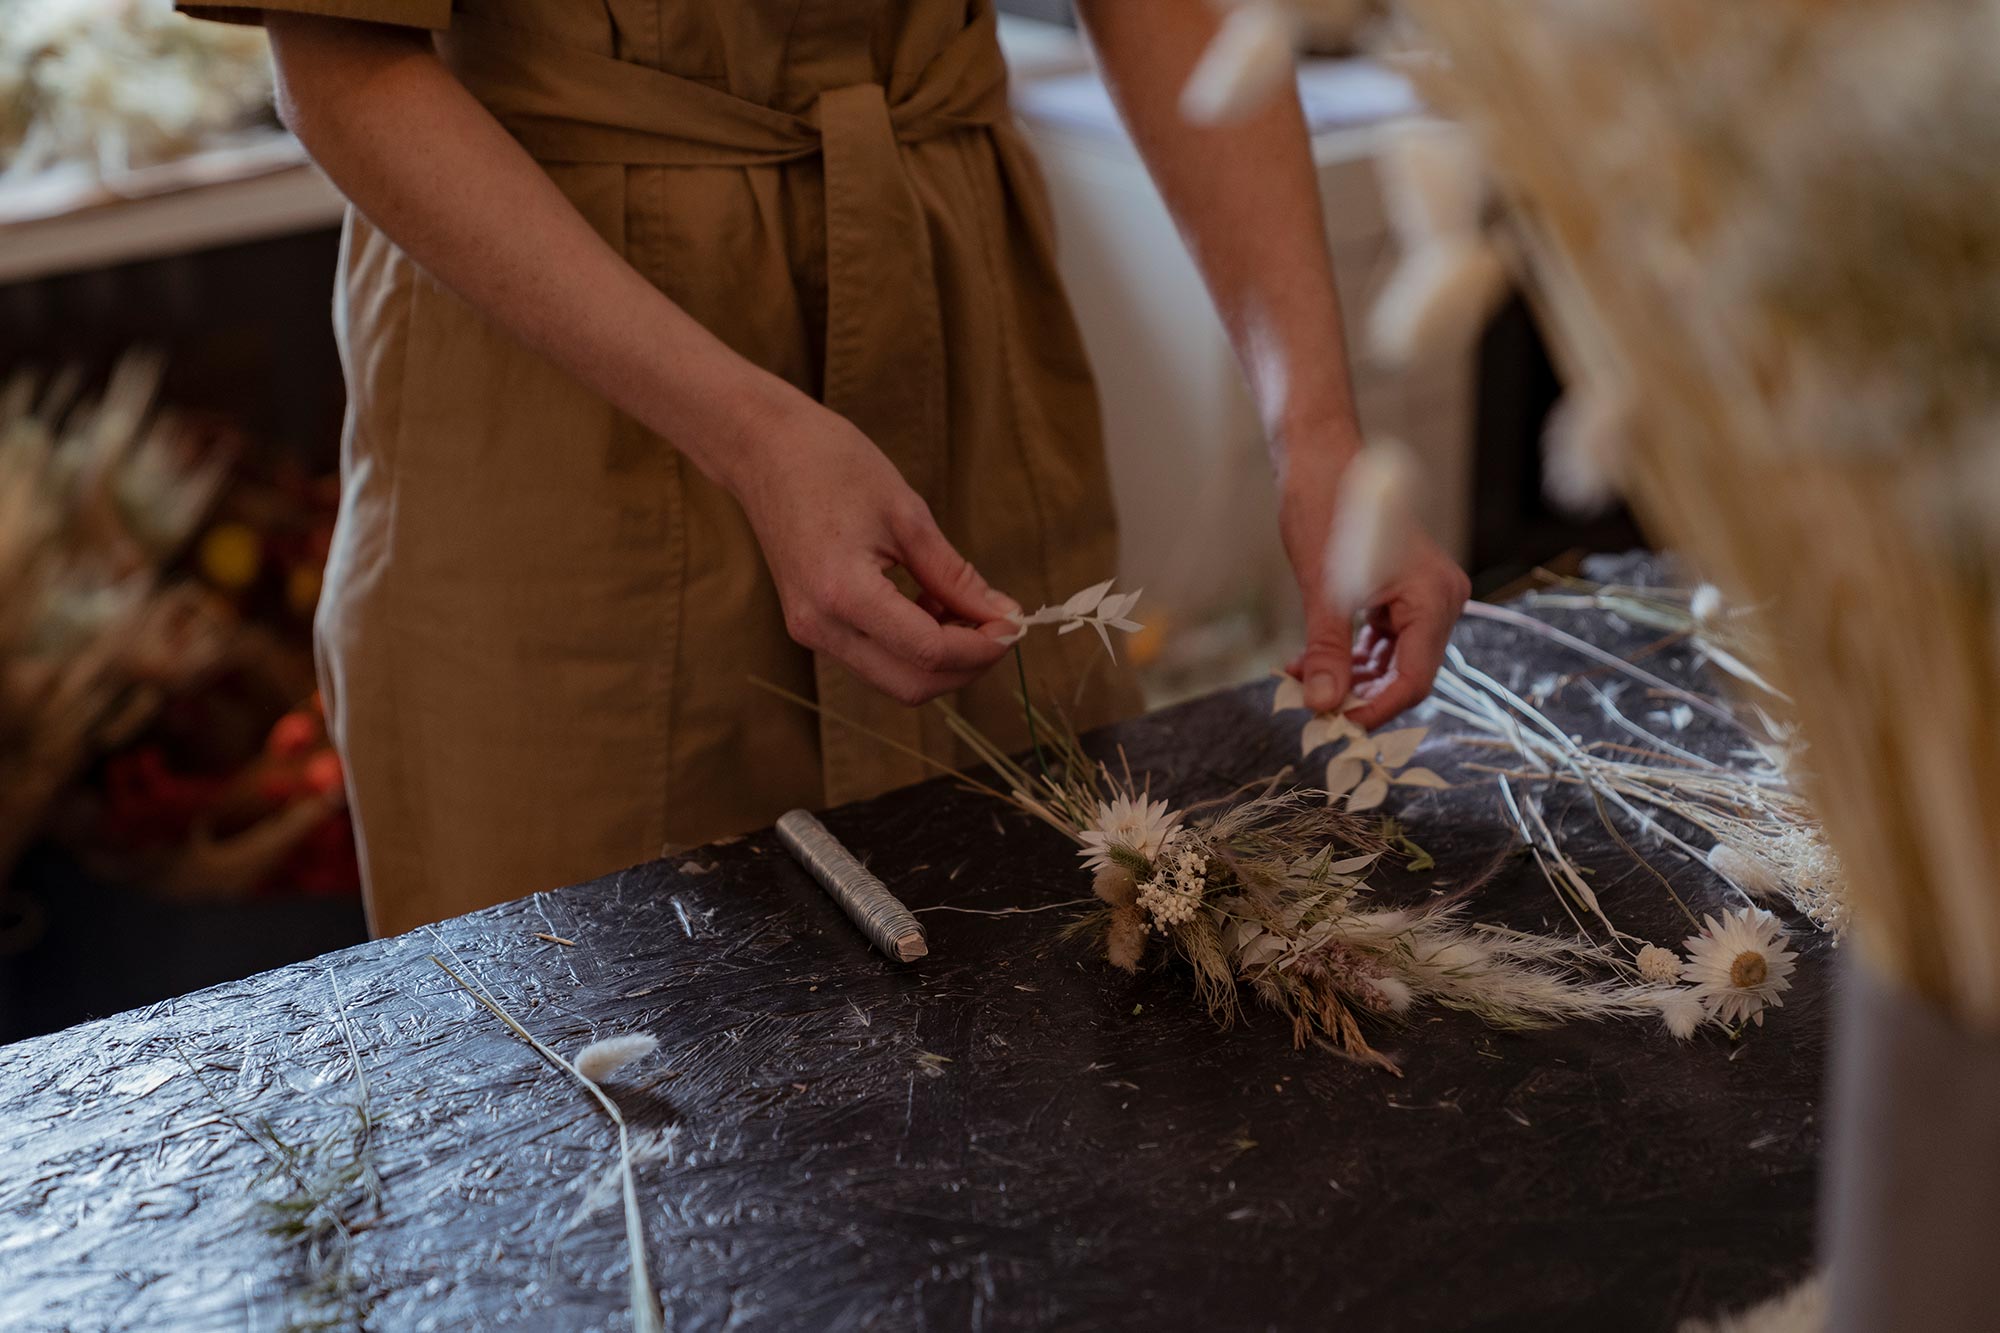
(116,84)
(1766,235)
(96,496)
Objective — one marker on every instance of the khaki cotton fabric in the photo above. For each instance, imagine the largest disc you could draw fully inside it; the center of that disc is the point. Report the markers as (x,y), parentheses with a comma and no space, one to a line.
(539,622)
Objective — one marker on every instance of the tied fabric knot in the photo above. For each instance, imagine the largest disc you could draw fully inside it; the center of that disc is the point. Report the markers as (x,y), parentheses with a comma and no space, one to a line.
(885,368)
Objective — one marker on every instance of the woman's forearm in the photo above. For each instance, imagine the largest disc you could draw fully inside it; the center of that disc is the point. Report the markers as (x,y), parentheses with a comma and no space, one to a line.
(1246,198)
(431,168)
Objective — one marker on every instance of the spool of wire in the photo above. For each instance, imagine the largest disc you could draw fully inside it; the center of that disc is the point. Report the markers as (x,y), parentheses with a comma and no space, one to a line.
(866,899)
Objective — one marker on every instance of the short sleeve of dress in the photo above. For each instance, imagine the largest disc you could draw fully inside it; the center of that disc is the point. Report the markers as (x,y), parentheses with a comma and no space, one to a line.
(433,14)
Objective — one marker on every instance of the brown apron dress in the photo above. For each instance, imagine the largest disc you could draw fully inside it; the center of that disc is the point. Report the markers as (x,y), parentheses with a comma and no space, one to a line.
(539,623)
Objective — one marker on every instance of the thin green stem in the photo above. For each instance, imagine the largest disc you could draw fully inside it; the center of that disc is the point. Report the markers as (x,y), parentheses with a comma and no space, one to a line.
(1028,711)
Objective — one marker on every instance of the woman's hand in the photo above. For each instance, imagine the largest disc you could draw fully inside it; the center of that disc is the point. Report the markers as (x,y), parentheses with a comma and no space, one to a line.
(834,517)
(1390,664)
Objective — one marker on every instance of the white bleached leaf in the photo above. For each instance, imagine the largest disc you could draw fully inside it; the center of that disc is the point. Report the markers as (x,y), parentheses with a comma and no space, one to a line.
(1420,777)
(1396,748)
(1325,728)
(1083,603)
(1114,608)
(1354,865)
(1341,776)
(1291,693)
(1263,949)
(601,1059)
(1373,789)
(1104,638)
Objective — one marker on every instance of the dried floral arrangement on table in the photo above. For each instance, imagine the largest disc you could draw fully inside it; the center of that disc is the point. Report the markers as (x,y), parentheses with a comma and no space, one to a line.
(116,84)
(1267,893)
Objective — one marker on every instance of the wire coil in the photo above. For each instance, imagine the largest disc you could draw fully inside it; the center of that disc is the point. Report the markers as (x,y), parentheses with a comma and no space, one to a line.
(867,901)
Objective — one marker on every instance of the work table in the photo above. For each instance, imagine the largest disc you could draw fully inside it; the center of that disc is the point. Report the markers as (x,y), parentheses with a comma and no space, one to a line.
(1008,1135)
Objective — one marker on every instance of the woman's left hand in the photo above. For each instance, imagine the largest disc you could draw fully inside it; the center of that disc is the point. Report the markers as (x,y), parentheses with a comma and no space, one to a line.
(1389,664)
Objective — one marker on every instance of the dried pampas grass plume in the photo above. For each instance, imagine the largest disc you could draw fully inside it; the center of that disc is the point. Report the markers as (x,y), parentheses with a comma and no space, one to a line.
(1450,277)
(1252,55)
(1681,1011)
(1125,938)
(601,1059)
(1803,1309)
(1116,885)
(1373,525)
(1746,870)
(1436,301)
(1583,447)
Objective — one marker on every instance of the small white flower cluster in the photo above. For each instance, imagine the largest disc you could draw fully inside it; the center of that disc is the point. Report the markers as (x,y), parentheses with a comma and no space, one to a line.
(1662,966)
(1174,894)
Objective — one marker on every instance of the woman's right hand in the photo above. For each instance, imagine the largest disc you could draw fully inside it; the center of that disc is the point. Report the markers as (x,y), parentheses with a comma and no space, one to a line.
(834,516)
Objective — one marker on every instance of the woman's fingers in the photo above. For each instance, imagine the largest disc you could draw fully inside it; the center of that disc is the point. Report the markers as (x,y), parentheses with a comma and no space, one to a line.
(880,613)
(891,672)
(1326,666)
(941,571)
(1420,630)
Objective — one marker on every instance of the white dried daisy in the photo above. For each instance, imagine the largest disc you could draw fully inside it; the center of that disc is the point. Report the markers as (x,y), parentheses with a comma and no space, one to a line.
(1659,965)
(1738,965)
(1129,823)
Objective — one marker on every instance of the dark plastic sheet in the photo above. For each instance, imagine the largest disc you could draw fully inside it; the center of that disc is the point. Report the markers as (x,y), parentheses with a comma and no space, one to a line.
(1008,1135)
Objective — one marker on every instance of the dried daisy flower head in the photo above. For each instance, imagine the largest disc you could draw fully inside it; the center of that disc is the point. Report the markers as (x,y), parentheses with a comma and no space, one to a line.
(1138,827)
(1739,965)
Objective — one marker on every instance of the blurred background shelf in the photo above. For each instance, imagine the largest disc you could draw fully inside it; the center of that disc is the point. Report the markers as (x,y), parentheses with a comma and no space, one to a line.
(70,220)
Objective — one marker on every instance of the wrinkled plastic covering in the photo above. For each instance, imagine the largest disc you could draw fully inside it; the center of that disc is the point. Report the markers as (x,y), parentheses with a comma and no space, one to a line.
(1007,1135)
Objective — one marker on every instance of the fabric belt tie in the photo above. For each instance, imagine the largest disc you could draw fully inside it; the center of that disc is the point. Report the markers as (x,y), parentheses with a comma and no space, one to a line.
(885,368)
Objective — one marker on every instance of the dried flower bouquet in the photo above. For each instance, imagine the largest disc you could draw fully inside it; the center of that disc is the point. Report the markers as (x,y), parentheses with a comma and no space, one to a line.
(96,497)
(1268,891)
